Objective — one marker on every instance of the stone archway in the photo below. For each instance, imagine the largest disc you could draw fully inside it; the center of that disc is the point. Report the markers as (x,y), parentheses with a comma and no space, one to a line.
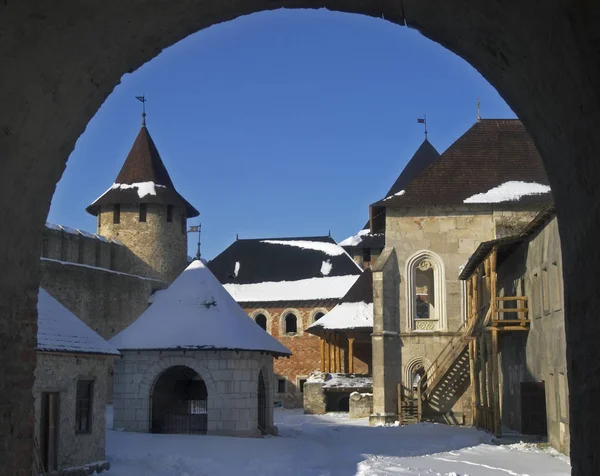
(61,61)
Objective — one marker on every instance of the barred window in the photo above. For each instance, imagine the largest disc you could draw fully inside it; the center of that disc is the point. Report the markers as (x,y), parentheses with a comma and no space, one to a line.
(83,406)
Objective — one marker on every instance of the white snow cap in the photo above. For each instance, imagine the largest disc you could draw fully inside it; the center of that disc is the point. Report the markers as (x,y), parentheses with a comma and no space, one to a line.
(59,330)
(347,315)
(327,287)
(196,312)
(355,239)
(143,188)
(331,249)
(509,191)
(397,194)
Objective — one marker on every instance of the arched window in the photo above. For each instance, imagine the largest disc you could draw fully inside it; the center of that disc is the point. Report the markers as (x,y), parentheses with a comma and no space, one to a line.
(261,320)
(291,324)
(425,292)
(318,315)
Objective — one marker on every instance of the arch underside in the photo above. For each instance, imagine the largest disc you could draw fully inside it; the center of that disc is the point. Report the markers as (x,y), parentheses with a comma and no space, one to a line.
(544,61)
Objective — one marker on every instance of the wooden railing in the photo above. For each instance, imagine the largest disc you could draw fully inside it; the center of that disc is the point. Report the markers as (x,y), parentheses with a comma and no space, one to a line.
(499,318)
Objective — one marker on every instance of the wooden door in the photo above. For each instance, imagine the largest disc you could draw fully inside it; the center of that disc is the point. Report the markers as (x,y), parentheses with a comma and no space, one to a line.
(533,408)
(49,430)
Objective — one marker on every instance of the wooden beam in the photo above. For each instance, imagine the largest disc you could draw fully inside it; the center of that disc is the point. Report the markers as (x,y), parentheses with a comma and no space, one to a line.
(496,386)
(351,354)
(339,353)
(329,353)
(472,347)
(506,329)
(323,354)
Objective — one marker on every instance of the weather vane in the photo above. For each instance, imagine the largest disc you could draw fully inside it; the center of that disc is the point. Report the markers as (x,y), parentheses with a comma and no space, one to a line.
(142,99)
(196,229)
(424,122)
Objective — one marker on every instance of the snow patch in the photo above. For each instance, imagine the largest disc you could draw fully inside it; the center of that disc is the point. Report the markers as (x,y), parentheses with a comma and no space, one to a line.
(347,315)
(509,191)
(143,188)
(331,249)
(329,287)
(236,269)
(397,194)
(326,267)
(355,239)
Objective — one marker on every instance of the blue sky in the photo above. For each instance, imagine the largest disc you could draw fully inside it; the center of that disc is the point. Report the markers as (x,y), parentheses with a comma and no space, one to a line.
(285,123)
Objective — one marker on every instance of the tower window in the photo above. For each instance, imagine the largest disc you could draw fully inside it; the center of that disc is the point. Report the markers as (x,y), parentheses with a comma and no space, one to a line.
(291,324)
(261,320)
(117,214)
(143,212)
(169,213)
(367,255)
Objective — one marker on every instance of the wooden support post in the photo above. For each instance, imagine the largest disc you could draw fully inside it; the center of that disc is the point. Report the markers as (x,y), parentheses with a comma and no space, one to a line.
(351,355)
(483,382)
(493,290)
(323,354)
(333,353)
(400,399)
(339,352)
(497,426)
(329,352)
(473,379)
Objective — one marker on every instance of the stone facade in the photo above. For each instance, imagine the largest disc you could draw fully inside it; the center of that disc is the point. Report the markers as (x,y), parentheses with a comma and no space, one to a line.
(361,404)
(159,245)
(59,373)
(305,347)
(443,239)
(540,354)
(231,380)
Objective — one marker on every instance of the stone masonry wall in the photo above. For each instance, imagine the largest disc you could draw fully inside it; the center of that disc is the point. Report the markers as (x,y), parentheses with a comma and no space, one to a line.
(106,301)
(305,347)
(59,373)
(159,245)
(231,380)
(361,404)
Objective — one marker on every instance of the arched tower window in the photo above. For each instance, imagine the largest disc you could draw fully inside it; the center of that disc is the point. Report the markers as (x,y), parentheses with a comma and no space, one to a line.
(318,315)
(425,294)
(291,324)
(261,320)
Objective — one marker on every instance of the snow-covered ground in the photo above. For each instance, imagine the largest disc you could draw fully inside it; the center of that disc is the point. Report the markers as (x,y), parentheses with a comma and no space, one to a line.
(330,445)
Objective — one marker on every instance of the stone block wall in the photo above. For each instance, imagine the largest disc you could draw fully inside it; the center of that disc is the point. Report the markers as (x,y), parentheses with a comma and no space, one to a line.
(231,380)
(105,300)
(315,402)
(59,373)
(361,405)
(305,347)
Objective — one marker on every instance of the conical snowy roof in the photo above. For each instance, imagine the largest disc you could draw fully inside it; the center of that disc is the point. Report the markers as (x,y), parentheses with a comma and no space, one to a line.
(196,312)
(59,330)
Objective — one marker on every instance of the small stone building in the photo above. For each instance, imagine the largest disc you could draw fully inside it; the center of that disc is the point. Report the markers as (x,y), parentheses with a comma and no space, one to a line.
(193,363)
(73,364)
(284,285)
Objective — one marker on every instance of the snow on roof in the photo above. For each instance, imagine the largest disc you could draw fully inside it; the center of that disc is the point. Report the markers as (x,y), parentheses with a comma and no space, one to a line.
(102,238)
(59,330)
(346,315)
(196,312)
(355,239)
(328,287)
(398,194)
(331,249)
(87,234)
(52,226)
(509,191)
(326,267)
(337,380)
(66,229)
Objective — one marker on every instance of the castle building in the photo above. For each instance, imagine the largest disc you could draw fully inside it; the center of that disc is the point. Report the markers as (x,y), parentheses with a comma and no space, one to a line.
(107,278)
(284,285)
(486,185)
(70,389)
(194,363)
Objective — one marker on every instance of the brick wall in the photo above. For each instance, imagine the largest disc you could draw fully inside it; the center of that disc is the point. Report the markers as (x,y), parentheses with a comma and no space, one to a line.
(306,350)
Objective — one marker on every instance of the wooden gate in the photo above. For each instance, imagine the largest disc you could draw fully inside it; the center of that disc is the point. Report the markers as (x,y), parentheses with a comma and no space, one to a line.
(179,403)
(533,408)
(262,404)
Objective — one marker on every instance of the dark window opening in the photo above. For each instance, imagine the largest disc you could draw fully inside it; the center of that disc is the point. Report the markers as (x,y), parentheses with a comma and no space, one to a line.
(367,255)
(291,324)
(117,214)
(143,212)
(169,213)
(318,316)
(301,383)
(261,320)
(281,385)
(83,406)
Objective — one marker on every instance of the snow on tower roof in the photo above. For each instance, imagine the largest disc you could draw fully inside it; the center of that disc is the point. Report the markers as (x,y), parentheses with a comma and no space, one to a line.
(59,330)
(196,312)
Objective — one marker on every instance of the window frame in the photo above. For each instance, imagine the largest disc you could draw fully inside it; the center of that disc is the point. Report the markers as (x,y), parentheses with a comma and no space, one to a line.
(143,213)
(117,214)
(82,403)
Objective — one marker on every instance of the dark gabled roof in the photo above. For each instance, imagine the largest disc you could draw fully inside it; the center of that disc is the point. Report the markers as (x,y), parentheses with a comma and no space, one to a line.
(490,153)
(508,244)
(422,158)
(143,164)
(361,290)
(260,261)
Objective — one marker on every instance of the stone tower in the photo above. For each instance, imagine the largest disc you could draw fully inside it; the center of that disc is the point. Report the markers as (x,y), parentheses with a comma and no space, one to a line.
(143,211)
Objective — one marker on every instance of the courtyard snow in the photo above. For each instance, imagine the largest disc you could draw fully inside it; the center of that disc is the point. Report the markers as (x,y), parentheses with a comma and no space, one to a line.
(330,445)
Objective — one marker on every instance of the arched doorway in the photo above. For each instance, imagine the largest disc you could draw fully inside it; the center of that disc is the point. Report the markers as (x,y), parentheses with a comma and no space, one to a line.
(262,403)
(179,399)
